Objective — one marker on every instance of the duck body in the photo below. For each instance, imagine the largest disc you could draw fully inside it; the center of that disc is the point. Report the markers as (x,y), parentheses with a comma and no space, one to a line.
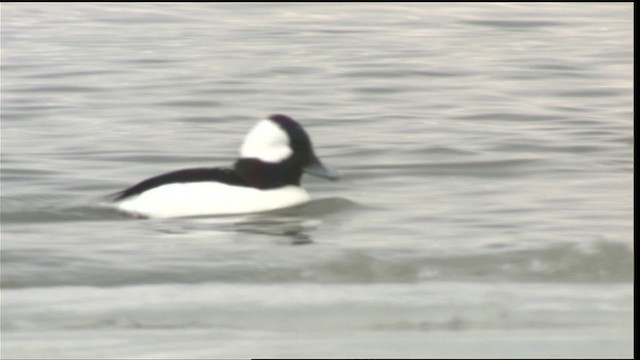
(267,176)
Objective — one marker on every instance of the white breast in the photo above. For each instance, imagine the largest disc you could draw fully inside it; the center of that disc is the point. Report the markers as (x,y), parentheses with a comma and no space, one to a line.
(210,198)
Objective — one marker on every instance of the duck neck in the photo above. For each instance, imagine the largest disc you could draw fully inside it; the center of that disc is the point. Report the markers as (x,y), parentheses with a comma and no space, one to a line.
(265,175)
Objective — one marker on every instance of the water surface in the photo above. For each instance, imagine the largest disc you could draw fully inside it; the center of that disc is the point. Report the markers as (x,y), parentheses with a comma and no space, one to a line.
(486,208)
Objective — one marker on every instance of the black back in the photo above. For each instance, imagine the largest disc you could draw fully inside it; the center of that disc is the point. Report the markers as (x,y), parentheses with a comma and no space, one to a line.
(222,175)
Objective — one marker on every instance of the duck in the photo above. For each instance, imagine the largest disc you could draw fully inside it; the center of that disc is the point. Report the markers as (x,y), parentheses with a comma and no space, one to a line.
(267,175)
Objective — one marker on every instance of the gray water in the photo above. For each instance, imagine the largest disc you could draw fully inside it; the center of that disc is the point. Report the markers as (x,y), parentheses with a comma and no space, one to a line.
(485,210)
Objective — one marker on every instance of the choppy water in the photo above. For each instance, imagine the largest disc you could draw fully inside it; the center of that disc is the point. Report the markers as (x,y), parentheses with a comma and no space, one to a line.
(486,208)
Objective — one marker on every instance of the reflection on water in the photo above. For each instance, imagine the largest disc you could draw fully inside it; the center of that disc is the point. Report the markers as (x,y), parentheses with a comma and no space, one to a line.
(296,224)
(292,228)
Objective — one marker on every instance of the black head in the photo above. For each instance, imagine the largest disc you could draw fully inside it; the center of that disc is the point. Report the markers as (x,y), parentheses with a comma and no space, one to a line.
(276,152)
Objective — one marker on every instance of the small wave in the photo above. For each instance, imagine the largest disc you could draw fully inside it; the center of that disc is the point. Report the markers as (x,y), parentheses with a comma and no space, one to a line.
(86,213)
(513,24)
(246,262)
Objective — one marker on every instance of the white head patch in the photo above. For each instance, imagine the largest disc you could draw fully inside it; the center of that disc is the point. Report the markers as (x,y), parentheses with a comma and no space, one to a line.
(266,142)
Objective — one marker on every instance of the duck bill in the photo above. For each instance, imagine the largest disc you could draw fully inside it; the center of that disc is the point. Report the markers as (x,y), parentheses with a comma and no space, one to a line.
(317,168)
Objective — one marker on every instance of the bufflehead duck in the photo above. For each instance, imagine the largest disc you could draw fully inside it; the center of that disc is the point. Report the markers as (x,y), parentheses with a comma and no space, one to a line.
(267,175)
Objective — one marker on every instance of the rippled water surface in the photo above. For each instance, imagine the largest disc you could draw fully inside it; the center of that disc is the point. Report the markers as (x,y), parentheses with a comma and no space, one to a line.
(485,210)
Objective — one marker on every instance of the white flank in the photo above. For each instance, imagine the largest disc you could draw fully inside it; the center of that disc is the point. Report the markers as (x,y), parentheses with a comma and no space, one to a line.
(267,142)
(210,198)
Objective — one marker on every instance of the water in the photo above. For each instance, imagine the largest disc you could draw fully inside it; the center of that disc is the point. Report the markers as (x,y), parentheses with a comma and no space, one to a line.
(486,208)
